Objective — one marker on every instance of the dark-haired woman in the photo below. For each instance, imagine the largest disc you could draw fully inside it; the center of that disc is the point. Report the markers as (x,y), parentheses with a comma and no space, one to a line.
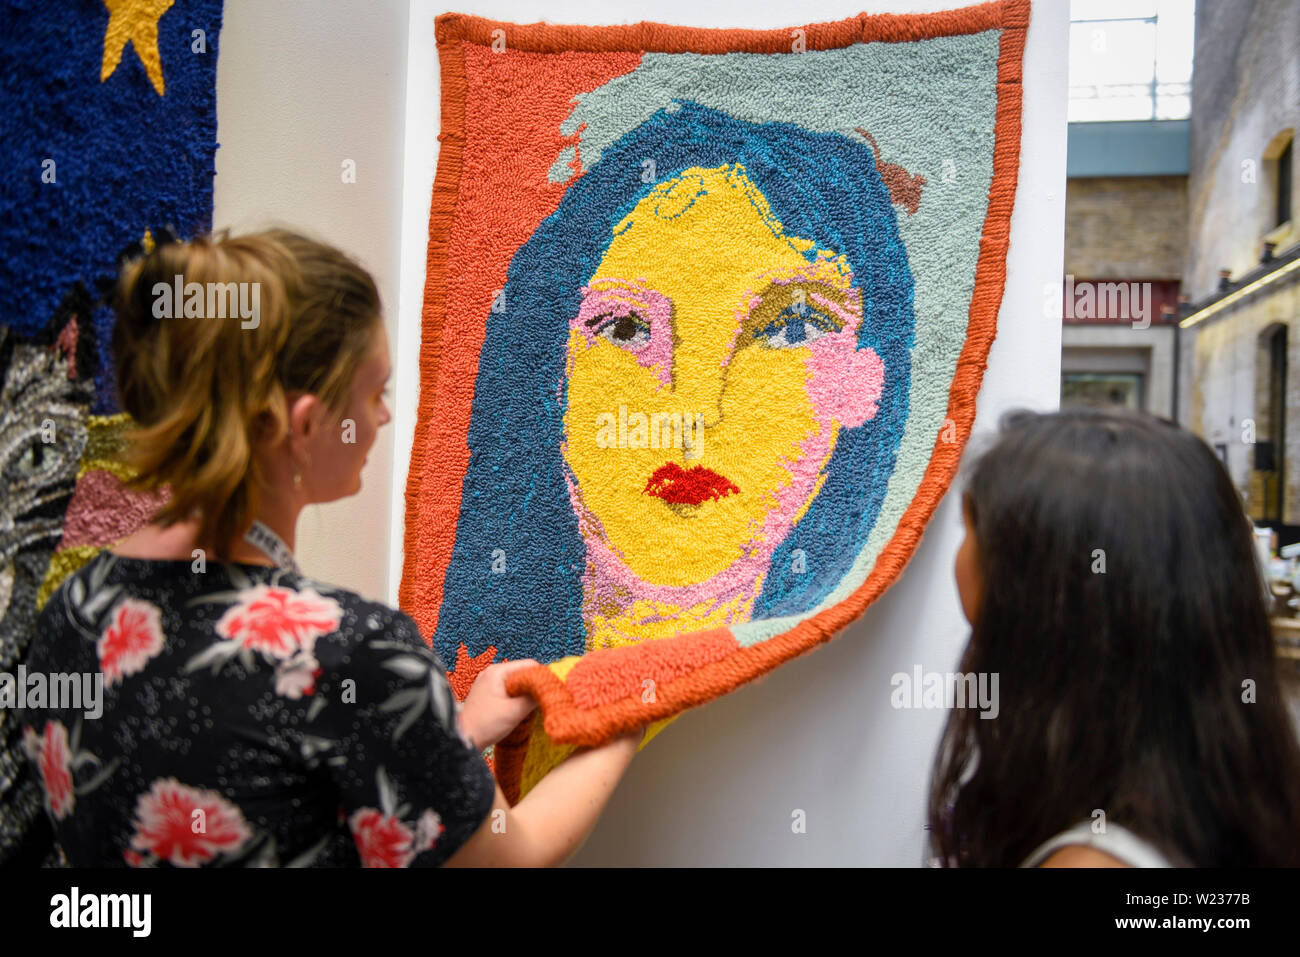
(1109,577)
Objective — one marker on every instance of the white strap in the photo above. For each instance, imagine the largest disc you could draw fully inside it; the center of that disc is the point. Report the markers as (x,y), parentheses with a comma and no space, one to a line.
(260,536)
(1117,841)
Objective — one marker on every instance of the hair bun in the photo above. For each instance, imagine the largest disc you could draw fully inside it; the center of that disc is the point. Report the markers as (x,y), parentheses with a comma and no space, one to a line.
(198,385)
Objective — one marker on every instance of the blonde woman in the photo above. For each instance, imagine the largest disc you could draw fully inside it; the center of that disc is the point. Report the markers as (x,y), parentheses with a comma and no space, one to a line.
(252,715)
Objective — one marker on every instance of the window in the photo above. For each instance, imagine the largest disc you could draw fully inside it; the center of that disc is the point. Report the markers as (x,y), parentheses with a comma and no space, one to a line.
(1109,388)
(1284,185)
(1130,59)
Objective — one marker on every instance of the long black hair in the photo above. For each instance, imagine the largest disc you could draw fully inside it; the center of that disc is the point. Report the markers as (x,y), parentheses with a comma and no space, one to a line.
(1122,608)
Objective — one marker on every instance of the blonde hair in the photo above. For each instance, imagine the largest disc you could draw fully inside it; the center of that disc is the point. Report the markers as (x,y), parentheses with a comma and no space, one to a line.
(204,390)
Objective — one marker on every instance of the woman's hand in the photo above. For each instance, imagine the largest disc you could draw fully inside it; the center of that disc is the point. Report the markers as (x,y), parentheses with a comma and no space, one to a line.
(489,713)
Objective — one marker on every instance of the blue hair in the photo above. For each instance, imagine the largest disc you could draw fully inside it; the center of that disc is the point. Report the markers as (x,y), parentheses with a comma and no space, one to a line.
(821,186)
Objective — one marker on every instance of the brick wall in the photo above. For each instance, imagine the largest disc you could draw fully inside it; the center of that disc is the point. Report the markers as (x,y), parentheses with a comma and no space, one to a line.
(1130,227)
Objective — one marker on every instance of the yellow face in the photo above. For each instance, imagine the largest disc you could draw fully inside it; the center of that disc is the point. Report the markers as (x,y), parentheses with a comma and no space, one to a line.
(703,308)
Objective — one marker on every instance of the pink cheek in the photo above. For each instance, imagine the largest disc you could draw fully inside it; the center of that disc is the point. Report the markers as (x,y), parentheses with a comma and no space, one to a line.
(845,383)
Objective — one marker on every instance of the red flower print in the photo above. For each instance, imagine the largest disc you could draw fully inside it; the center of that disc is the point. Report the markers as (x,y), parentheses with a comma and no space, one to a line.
(133,858)
(279,622)
(297,677)
(133,637)
(382,841)
(427,830)
(54,761)
(168,827)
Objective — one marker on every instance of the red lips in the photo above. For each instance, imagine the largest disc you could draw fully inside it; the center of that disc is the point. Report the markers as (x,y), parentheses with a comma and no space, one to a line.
(679,486)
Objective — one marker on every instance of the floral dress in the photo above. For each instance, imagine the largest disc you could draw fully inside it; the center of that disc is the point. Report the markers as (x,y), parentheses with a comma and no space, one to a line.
(250,717)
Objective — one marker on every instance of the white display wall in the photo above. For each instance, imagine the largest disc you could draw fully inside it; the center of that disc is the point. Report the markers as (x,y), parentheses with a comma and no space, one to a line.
(303,88)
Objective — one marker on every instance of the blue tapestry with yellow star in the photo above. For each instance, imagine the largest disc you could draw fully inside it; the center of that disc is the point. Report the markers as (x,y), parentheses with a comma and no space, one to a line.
(108,129)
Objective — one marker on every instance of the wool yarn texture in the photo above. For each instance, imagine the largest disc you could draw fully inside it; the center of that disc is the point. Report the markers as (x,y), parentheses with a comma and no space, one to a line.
(706,314)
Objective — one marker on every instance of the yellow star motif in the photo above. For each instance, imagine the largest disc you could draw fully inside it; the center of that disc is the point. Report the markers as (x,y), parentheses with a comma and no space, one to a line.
(135,21)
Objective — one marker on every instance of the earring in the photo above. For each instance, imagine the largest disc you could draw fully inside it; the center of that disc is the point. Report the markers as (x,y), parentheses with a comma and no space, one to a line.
(297,480)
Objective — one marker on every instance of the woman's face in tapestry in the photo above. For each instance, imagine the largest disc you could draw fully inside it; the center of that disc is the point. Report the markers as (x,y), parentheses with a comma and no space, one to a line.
(704,311)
